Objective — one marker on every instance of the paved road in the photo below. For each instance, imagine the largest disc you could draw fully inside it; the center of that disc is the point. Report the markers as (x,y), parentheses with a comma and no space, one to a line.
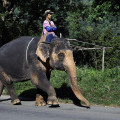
(27,111)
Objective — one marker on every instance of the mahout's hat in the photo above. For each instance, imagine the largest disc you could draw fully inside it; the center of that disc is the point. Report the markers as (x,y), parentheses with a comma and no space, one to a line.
(48,12)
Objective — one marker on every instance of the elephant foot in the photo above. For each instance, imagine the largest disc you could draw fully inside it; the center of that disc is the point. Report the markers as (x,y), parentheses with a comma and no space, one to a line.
(16,102)
(52,101)
(40,101)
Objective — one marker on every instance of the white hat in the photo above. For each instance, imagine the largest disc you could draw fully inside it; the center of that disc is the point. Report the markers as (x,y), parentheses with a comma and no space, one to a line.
(48,12)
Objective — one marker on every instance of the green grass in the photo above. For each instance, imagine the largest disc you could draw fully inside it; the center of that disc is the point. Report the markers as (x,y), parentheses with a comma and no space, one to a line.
(100,87)
(97,86)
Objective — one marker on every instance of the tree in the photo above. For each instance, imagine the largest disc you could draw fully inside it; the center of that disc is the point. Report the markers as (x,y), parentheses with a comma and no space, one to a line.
(102,8)
(18,17)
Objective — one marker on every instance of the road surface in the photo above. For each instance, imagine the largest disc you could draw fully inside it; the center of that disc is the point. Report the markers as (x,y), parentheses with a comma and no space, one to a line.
(27,111)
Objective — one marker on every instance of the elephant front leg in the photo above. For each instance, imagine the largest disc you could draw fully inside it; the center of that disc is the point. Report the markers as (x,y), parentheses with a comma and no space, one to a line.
(42,83)
(52,100)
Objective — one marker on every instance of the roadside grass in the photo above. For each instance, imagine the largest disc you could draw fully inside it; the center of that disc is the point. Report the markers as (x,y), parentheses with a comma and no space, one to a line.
(100,88)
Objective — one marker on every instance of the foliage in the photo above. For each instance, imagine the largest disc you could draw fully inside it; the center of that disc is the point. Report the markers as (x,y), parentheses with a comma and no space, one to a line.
(18,17)
(103,33)
(103,85)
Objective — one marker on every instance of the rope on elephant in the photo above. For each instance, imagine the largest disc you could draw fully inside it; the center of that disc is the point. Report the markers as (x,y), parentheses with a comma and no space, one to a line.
(27,49)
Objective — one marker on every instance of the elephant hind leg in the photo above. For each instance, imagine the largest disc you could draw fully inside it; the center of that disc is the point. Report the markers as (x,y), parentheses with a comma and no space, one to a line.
(1,88)
(39,100)
(40,96)
(6,81)
(14,98)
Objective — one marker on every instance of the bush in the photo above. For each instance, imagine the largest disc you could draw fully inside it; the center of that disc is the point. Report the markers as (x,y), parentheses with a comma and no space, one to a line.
(103,33)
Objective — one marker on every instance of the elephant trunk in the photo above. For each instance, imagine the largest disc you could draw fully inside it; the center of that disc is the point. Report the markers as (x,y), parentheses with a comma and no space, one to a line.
(71,71)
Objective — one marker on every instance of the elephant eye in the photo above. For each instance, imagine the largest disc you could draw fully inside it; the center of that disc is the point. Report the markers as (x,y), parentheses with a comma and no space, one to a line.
(61,56)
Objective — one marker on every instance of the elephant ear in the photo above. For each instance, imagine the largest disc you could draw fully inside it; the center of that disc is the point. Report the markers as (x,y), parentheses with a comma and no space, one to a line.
(42,51)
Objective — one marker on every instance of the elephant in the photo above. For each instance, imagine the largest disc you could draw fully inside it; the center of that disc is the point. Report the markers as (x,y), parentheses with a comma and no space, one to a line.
(28,58)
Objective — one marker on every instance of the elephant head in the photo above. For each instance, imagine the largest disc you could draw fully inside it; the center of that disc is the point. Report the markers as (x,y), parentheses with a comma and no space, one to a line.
(61,57)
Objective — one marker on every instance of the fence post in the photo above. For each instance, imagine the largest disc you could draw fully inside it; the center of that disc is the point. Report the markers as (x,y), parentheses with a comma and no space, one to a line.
(60,35)
(103,59)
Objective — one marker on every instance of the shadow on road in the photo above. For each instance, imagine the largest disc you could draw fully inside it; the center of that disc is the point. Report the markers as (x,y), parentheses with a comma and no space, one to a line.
(64,92)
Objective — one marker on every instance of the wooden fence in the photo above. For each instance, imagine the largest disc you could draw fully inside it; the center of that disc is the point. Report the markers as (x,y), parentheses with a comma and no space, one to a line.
(97,47)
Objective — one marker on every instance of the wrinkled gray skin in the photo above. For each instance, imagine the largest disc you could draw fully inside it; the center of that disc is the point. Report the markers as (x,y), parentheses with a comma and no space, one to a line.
(26,58)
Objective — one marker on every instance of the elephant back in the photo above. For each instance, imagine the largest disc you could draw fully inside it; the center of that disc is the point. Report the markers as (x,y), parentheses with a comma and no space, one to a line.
(13,55)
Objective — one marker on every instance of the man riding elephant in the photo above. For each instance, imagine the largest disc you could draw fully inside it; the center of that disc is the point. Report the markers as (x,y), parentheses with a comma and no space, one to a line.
(49,26)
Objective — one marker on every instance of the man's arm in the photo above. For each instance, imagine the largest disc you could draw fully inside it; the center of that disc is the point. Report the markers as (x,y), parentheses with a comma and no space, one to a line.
(50,29)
